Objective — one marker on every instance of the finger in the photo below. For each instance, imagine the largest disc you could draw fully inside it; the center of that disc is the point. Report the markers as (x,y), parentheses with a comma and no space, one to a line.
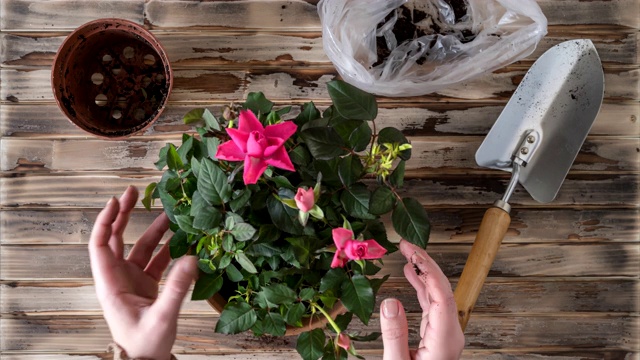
(167,307)
(418,284)
(143,249)
(395,331)
(100,254)
(159,263)
(434,277)
(127,202)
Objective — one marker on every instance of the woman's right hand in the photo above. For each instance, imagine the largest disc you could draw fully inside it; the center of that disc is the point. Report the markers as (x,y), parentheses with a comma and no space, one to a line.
(442,337)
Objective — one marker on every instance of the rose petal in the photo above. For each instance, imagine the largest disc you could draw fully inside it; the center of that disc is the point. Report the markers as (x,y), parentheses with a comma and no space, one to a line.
(253,168)
(341,236)
(280,159)
(249,122)
(239,138)
(338,260)
(282,130)
(374,250)
(305,199)
(229,151)
(256,144)
(273,145)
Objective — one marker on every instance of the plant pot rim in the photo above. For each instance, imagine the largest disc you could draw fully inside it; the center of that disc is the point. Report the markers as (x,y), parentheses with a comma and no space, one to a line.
(68,47)
(217,302)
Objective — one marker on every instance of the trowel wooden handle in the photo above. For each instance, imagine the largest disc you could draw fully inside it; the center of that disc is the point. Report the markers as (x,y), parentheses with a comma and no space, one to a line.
(492,230)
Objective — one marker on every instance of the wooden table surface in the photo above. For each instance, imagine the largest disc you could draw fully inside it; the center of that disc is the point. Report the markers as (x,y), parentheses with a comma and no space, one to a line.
(565,284)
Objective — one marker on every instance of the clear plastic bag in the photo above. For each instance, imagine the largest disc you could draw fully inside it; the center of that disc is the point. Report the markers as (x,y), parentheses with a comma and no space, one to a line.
(451,46)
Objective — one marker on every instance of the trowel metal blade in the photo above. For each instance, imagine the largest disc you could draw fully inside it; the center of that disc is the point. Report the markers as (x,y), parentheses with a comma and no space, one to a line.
(559,97)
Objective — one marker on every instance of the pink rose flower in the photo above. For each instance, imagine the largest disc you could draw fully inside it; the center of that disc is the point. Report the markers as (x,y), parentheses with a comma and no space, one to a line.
(305,199)
(347,248)
(257,146)
(344,341)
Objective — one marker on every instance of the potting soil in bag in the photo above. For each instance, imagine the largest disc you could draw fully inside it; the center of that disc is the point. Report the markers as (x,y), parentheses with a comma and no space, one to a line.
(415,47)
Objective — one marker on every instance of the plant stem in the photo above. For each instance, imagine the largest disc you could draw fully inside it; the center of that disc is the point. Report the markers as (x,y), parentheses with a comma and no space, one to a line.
(329,319)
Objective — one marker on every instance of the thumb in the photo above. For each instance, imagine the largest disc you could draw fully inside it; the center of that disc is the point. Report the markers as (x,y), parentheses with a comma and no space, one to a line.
(179,279)
(395,332)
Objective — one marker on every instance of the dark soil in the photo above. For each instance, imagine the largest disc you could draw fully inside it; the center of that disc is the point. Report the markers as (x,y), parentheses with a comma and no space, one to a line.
(405,28)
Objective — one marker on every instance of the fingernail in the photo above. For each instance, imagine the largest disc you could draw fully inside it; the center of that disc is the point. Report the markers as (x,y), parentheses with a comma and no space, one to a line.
(420,255)
(390,308)
(110,201)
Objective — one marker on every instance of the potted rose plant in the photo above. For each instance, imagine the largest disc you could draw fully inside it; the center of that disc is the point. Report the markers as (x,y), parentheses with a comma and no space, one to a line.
(285,214)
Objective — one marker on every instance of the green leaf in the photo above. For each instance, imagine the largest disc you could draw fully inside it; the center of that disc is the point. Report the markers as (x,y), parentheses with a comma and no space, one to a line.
(300,155)
(376,283)
(360,137)
(283,217)
(258,103)
(212,183)
(263,249)
(185,148)
(233,273)
(178,244)
(310,344)
(246,264)
(343,320)
(212,144)
(173,159)
(411,222)
(268,233)
(242,200)
(228,244)
(350,170)
(206,286)
(148,192)
(307,294)
(225,260)
(282,181)
(205,216)
(351,102)
(243,232)
(236,318)
(309,112)
(294,314)
(193,116)
(206,266)
(397,176)
(195,166)
(279,294)
(210,120)
(368,337)
(324,143)
(284,111)
(393,135)
(382,201)
(355,201)
(162,158)
(274,324)
(333,280)
(186,224)
(357,297)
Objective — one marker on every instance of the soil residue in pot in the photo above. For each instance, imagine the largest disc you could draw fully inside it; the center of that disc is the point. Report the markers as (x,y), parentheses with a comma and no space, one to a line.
(413,23)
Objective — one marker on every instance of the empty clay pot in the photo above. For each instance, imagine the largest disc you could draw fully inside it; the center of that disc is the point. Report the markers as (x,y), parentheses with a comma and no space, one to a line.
(111,78)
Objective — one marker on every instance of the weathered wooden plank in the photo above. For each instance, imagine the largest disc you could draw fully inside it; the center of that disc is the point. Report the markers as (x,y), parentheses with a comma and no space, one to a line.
(429,154)
(499,296)
(432,190)
(65,14)
(73,226)
(424,119)
(300,84)
(213,49)
(197,335)
(513,260)
(370,354)
(274,15)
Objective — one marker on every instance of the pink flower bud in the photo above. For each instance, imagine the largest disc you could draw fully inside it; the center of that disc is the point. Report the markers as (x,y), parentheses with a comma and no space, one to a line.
(360,250)
(305,200)
(344,341)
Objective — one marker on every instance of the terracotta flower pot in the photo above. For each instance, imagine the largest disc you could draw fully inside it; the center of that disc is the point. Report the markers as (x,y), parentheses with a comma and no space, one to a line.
(111,78)
(218,303)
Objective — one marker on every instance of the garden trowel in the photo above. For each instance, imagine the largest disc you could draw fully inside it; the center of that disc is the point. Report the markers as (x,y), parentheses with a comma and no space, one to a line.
(536,137)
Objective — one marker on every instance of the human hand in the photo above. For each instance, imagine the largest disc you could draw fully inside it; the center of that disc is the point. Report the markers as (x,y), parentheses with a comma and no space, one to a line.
(442,337)
(141,322)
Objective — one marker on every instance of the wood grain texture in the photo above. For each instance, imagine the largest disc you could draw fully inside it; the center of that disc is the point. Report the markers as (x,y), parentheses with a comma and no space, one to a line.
(499,296)
(428,154)
(565,284)
(78,190)
(415,119)
(605,225)
(615,45)
(300,84)
(45,334)
(513,260)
